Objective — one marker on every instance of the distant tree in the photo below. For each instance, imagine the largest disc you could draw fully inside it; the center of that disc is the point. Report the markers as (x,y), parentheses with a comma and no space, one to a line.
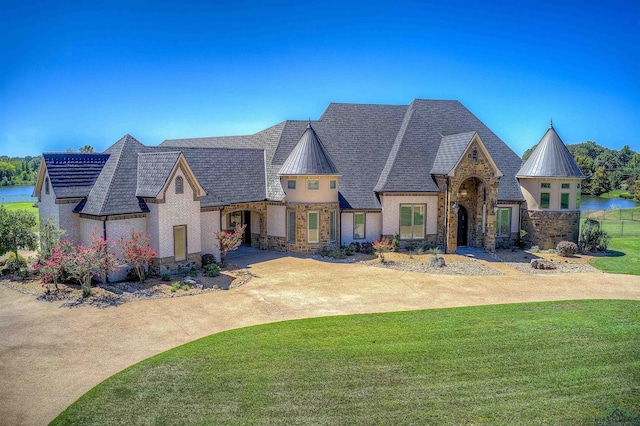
(17,231)
(636,190)
(599,183)
(86,149)
(70,150)
(624,155)
(528,152)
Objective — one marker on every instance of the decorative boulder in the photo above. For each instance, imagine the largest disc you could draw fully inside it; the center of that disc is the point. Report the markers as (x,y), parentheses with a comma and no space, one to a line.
(436,262)
(542,264)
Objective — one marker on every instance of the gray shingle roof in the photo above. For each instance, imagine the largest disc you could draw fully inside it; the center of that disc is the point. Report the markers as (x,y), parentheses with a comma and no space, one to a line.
(309,157)
(154,169)
(114,192)
(451,149)
(73,174)
(551,158)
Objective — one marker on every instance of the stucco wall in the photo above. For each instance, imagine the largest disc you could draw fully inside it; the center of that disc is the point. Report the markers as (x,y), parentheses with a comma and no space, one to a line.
(277,221)
(209,224)
(372,227)
(87,229)
(324,194)
(391,212)
(47,207)
(531,191)
(179,209)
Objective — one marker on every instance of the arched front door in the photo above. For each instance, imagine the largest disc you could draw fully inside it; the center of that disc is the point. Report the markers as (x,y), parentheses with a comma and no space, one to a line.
(463,226)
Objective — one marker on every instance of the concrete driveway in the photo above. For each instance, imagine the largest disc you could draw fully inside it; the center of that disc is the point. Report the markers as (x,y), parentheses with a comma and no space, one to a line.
(51,355)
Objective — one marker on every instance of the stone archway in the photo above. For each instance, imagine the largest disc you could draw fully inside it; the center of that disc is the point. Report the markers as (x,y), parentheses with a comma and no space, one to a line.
(254,215)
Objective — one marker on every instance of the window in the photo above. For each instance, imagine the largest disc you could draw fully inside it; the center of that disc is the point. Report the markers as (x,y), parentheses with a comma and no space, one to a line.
(564,201)
(578,186)
(180,242)
(332,184)
(46,186)
(544,200)
(333,215)
(291,184)
(545,185)
(503,222)
(291,226)
(179,185)
(578,200)
(313,233)
(474,156)
(411,221)
(565,186)
(313,184)
(358,226)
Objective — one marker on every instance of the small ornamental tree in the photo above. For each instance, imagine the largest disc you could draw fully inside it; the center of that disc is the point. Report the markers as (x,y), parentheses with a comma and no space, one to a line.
(49,237)
(85,262)
(52,267)
(17,231)
(229,241)
(381,247)
(137,252)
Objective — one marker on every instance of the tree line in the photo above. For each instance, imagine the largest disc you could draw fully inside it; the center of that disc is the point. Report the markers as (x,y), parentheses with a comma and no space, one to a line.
(606,169)
(24,170)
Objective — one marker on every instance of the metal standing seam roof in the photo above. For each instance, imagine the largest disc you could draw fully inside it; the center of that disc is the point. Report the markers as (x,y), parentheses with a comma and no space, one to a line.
(550,158)
(309,157)
(73,174)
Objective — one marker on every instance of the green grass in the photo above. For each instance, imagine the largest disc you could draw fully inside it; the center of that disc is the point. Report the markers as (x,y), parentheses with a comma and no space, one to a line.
(24,205)
(618,222)
(623,259)
(616,193)
(539,363)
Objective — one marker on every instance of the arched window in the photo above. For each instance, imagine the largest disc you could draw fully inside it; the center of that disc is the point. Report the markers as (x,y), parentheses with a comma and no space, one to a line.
(46,186)
(179,185)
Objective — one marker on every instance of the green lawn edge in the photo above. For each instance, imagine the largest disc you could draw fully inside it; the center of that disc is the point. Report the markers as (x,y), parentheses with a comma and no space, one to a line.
(623,257)
(551,362)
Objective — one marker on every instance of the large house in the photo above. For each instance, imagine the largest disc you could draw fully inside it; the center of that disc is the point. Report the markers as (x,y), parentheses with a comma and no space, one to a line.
(429,171)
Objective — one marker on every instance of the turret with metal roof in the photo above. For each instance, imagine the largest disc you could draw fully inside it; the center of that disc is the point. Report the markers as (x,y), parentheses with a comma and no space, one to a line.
(550,158)
(309,157)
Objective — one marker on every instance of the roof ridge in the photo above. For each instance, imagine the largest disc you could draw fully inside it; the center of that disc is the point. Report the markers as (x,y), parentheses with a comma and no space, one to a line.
(395,148)
(115,171)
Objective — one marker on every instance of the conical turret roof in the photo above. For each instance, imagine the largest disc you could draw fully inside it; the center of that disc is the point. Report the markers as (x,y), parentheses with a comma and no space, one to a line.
(550,158)
(309,157)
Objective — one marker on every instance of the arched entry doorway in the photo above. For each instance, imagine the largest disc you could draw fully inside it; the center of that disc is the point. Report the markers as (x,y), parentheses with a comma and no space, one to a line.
(463,226)
(242,218)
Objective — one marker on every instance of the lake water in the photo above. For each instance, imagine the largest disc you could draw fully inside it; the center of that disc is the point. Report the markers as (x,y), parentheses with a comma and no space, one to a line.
(589,203)
(13,194)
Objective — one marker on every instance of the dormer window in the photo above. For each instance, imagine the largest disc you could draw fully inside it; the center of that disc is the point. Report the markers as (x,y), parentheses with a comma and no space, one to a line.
(46,186)
(179,185)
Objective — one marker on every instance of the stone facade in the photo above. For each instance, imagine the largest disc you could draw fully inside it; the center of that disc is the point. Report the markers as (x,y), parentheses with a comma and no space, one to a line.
(476,174)
(302,245)
(547,228)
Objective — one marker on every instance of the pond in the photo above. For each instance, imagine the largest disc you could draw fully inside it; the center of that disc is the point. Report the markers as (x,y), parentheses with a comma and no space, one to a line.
(590,203)
(13,194)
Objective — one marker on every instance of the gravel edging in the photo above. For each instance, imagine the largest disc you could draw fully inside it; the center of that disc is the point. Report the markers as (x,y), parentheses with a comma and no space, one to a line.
(472,267)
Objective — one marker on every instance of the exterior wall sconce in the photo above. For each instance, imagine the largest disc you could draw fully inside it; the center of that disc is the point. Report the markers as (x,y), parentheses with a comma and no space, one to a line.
(456,207)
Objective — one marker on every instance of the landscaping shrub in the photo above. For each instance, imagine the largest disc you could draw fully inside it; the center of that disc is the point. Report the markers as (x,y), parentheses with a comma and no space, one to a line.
(211,270)
(592,237)
(566,248)
(535,249)
(208,259)
(324,252)
(366,248)
(396,243)
(175,286)
(339,253)
(355,247)
(381,247)
(14,264)
(166,277)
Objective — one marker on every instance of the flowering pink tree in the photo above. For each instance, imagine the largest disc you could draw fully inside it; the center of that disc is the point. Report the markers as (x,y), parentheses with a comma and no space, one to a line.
(137,252)
(381,247)
(51,266)
(80,263)
(229,241)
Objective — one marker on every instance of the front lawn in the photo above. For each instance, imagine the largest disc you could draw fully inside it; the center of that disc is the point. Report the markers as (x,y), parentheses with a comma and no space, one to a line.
(624,257)
(23,205)
(538,363)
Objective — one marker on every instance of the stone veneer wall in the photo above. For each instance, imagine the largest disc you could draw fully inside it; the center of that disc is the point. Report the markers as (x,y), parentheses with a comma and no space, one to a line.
(301,245)
(547,228)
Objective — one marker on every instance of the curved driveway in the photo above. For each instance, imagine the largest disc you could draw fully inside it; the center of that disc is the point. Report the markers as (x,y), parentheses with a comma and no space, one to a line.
(51,355)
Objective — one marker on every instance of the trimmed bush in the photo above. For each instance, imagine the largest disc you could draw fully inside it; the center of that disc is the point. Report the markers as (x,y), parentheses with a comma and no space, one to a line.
(592,237)
(211,270)
(566,248)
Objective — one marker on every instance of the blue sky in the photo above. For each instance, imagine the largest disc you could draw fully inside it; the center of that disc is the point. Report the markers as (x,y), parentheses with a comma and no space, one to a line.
(86,73)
